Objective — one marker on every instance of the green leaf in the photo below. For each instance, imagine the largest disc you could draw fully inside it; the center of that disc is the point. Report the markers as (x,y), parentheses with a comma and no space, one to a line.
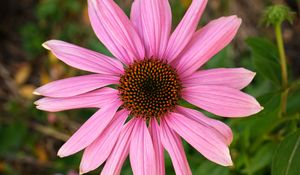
(262,158)
(265,58)
(32,39)
(293,102)
(211,169)
(12,137)
(222,59)
(287,157)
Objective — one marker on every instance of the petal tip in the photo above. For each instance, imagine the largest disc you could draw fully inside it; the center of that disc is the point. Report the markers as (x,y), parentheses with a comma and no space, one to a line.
(81,171)
(45,45)
(84,167)
(235,19)
(258,109)
(228,162)
(60,153)
(36,92)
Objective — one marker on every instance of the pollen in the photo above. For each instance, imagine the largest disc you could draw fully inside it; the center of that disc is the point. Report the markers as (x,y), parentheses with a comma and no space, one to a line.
(149,88)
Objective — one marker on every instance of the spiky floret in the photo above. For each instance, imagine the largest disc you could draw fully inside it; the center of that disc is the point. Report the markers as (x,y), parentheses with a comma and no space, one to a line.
(149,88)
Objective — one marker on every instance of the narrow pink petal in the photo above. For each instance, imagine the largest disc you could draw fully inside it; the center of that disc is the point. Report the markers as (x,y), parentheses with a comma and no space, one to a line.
(115,30)
(219,128)
(90,130)
(152,19)
(158,148)
(97,152)
(84,59)
(222,101)
(237,78)
(142,154)
(185,29)
(76,85)
(93,99)
(172,143)
(206,43)
(117,157)
(208,144)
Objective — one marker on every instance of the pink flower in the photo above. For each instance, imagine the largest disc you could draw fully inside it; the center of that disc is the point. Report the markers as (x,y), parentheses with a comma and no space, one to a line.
(152,71)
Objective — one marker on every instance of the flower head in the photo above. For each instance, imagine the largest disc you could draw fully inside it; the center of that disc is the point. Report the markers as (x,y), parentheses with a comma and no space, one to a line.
(276,14)
(153,69)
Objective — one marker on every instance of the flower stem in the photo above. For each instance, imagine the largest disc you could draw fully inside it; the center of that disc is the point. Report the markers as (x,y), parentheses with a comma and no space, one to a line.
(282,56)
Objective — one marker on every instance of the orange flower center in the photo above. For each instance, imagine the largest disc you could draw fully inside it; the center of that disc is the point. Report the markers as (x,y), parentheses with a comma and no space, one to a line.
(149,88)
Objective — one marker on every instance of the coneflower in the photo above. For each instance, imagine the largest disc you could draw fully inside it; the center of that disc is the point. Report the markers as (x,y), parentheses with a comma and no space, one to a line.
(152,70)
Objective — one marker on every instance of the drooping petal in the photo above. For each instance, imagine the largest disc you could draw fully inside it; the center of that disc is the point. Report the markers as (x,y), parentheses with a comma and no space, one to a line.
(76,85)
(152,19)
(158,148)
(172,143)
(185,29)
(206,43)
(222,101)
(117,157)
(208,144)
(97,152)
(94,99)
(84,59)
(142,155)
(115,30)
(90,130)
(214,126)
(237,78)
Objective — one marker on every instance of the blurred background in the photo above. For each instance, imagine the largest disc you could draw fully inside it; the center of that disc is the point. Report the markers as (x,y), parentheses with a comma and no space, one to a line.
(30,139)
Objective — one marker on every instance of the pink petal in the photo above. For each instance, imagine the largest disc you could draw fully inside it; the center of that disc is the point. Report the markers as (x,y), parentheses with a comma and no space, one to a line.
(185,29)
(222,101)
(115,30)
(117,157)
(220,129)
(84,59)
(237,78)
(76,85)
(172,143)
(94,99)
(158,148)
(97,152)
(152,19)
(208,144)
(206,43)
(90,130)
(142,154)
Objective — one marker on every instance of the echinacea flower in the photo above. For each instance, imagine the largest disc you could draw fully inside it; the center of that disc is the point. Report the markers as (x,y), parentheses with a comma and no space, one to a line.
(152,70)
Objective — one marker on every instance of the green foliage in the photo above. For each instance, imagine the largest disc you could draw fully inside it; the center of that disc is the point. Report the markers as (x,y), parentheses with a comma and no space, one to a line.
(265,58)
(294,101)
(224,58)
(261,159)
(12,137)
(32,38)
(287,158)
(212,169)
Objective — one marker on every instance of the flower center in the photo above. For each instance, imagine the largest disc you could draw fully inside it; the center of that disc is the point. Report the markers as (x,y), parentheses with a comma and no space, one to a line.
(149,88)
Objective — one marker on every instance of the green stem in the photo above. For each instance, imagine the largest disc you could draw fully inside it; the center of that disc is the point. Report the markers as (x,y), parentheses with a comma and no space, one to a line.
(275,124)
(284,73)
